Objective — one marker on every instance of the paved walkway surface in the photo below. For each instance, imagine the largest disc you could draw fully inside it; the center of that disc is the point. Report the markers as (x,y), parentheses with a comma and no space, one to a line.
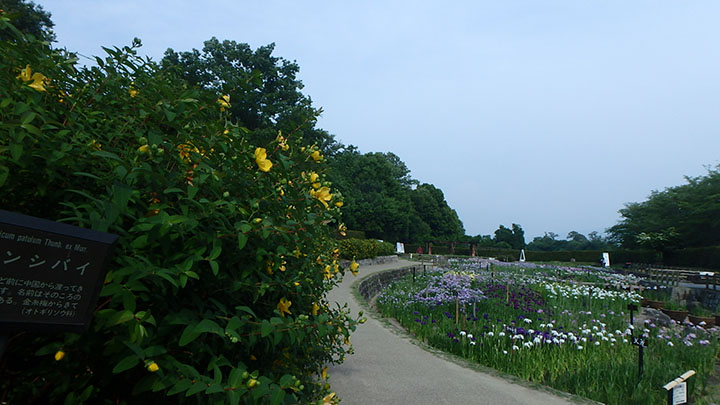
(389,368)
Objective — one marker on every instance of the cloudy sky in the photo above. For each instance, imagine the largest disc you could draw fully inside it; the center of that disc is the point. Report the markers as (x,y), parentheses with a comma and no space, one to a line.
(548,114)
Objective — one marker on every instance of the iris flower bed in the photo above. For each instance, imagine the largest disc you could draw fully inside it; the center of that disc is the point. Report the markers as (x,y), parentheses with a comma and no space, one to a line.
(563,327)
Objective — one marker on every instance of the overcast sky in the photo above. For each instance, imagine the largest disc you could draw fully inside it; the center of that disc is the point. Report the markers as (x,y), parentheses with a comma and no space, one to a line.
(548,114)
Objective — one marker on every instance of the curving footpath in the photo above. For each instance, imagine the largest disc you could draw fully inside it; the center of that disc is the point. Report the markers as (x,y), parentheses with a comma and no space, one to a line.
(389,367)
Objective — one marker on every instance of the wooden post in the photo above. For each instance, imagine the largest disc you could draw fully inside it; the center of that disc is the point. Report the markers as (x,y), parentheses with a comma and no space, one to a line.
(457,310)
(452,248)
(429,248)
(473,251)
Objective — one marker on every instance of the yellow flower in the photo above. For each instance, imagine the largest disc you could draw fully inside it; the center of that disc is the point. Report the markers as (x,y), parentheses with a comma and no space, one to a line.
(328,399)
(339,204)
(153,367)
(261,159)
(316,155)
(252,382)
(322,194)
(185,149)
(281,141)
(315,308)
(95,145)
(25,74)
(224,102)
(59,355)
(144,149)
(283,306)
(133,92)
(342,228)
(354,267)
(38,79)
(314,177)
(324,373)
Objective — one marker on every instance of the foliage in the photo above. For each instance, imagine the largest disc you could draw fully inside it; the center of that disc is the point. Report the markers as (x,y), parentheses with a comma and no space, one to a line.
(28,17)
(704,257)
(264,89)
(357,249)
(679,217)
(513,238)
(216,290)
(376,188)
(431,209)
(386,203)
(575,241)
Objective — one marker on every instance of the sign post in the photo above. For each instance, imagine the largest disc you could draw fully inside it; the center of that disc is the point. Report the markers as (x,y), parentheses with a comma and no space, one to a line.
(641,343)
(632,307)
(50,274)
(677,389)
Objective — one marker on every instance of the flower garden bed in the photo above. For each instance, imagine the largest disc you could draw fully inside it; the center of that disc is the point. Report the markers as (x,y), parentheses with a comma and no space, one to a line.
(567,328)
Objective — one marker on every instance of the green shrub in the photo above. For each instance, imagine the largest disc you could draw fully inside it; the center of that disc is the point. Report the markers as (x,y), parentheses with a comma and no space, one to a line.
(705,257)
(365,249)
(216,289)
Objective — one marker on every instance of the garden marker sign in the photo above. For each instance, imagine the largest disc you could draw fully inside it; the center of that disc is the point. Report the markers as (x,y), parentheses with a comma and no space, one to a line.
(677,389)
(50,273)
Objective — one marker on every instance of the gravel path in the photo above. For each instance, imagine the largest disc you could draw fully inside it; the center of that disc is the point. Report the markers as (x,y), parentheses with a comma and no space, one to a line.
(388,367)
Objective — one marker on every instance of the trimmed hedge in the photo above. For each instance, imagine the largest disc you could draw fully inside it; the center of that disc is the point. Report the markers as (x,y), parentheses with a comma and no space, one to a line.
(357,249)
(705,257)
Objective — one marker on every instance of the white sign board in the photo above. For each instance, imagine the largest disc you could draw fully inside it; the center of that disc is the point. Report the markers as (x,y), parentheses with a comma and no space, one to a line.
(679,394)
(399,248)
(606,259)
(522,255)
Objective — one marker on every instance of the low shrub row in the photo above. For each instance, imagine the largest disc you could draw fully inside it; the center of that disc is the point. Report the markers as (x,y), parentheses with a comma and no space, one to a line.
(357,249)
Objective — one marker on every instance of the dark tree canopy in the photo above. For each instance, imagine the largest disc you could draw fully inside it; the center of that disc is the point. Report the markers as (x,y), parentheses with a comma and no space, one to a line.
(382,201)
(575,241)
(29,18)
(678,217)
(264,90)
(513,238)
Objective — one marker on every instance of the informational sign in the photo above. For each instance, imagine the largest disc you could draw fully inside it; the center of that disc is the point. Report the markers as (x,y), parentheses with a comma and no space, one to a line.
(400,248)
(679,394)
(606,259)
(50,273)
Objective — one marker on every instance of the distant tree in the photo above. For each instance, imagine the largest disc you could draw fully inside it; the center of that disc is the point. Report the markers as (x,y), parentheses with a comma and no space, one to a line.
(431,208)
(264,90)
(29,18)
(376,189)
(684,216)
(514,237)
(518,237)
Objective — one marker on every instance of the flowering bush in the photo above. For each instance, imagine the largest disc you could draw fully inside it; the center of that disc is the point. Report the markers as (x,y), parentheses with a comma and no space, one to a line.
(217,284)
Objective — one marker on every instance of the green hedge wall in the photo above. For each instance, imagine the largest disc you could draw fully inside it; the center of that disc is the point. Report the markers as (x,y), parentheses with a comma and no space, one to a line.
(706,257)
(357,249)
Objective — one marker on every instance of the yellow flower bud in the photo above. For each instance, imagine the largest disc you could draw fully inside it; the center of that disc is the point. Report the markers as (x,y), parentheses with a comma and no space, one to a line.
(59,355)
(153,367)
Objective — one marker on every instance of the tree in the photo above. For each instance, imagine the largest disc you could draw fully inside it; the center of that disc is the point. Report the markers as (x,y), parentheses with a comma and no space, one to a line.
(264,92)
(430,207)
(514,237)
(376,188)
(692,210)
(29,18)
